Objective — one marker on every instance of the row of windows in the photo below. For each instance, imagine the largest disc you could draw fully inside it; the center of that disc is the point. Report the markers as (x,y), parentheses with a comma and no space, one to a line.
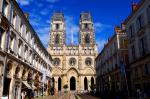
(141,71)
(20,44)
(140,22)
(142,47)
(19,25)
(72,61)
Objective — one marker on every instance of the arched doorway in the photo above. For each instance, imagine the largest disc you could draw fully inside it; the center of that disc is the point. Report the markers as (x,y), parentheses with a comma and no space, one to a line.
(53,82)
(59,84)
(72,83)
(92,81)
(85,84)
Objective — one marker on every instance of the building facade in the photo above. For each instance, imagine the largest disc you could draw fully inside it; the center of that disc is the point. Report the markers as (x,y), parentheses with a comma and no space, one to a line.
(73,65)
(111,64)
(25,65)
(138,29)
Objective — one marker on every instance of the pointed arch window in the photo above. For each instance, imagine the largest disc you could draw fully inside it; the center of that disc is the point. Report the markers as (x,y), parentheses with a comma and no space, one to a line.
(87,39)
(57,39)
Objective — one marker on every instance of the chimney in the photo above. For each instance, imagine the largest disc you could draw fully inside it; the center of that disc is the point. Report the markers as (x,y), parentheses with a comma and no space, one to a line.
(27,15)
(134,7)
(123,26)
(117,29)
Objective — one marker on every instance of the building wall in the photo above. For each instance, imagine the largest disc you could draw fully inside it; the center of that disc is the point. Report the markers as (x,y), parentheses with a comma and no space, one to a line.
(139,46)
(108,63)
(80,53)
(21,51)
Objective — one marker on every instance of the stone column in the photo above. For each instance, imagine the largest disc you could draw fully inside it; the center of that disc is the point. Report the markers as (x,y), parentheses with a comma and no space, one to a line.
(1,68)
(19,90)
(64,81)
(12,83)
(1,5)
(20,85)
(89,82)
(56,84)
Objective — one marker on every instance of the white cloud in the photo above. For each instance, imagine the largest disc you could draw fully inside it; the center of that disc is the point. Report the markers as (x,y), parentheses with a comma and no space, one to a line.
(52,1)
(99,27)
(71,27)
(24,2)
(101,43)
(44,35)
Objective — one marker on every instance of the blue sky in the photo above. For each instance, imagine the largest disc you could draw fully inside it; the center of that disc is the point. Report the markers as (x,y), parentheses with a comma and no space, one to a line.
(105,13)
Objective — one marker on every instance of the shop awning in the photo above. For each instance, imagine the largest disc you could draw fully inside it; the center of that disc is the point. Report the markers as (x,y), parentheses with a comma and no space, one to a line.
(26,84)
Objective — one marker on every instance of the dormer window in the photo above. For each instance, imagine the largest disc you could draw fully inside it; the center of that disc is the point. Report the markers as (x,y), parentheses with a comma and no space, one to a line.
(5,8)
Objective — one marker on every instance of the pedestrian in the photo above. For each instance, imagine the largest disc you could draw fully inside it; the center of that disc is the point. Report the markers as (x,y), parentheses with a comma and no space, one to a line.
(22,95)
(141,95)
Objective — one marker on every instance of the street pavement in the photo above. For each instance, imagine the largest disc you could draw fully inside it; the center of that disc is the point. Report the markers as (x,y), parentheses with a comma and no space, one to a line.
(69,95)
(88,97)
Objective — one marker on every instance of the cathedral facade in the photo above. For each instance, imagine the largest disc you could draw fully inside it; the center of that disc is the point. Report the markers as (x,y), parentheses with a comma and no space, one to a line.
(73,65)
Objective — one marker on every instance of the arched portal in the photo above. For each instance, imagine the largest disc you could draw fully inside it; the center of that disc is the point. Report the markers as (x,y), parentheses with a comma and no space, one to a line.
(72,83)
(92,81)
(59,84)
(85,84)
(53,82)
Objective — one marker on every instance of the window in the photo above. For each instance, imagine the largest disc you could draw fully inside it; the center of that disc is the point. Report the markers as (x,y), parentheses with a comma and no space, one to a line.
(56,62)
(140,22)
(85,26)
(88,61)
(143,46)
(30,56)
(131,31)
(14,19)
(72,61)
(57,39)
(26,52)
(87,39)
(148,13)
(20,47)
(1,37)
(21,27)
(5,8)
(133,52)
(27,34)
(12,41)
(57,27)
(146,69)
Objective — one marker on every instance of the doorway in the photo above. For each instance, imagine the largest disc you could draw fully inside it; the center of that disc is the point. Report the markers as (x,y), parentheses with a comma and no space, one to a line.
(72,83)
(85,84)
(59,84)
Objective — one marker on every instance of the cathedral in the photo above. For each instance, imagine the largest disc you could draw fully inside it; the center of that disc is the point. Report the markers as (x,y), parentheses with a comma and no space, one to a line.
(73,65)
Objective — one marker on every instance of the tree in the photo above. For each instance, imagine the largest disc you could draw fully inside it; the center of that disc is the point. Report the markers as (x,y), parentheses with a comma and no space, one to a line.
(65,87)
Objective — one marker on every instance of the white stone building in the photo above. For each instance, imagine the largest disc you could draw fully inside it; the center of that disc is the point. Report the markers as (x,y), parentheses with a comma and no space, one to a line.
(22,55)
(73,65)
(112,62)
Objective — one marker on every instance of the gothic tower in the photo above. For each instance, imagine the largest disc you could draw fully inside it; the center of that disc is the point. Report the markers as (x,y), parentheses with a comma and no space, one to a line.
(57,35)
(87,37)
